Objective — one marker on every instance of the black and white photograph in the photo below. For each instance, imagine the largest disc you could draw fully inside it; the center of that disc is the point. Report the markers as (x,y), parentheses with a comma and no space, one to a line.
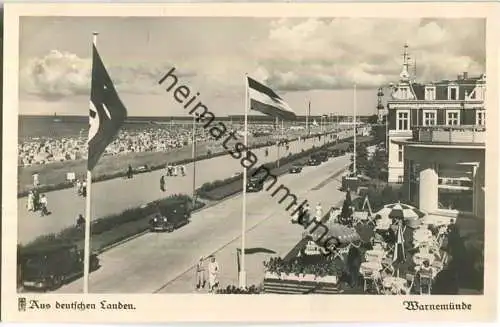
(234,154)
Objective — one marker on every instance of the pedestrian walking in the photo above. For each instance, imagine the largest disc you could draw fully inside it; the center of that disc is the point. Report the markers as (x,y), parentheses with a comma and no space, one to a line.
(80,222)
(30,204)
(200,274)
(174,170)
(84,189)
(162,183)
(319,212)
(36,200)
(130,172)
(36,181)
(183,170)
(43,206)
(213,273)
(78,187)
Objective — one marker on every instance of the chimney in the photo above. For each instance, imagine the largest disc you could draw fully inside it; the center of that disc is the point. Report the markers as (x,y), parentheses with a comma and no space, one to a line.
(466,75)
(459,77)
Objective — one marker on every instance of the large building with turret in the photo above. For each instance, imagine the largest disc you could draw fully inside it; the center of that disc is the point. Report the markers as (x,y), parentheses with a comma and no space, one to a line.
(436,141)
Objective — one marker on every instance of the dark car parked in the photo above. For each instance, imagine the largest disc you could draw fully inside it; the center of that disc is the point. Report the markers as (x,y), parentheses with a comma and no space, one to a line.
(170,218)
(323,156)
(295,169)
(313,161)
(48,267)
(255,183)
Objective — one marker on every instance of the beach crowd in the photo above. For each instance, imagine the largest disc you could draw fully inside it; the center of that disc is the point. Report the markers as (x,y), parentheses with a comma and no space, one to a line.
(161,138)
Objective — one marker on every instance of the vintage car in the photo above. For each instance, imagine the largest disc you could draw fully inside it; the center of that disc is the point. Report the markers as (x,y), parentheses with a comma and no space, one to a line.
(323,156)
(169,219)
(255,183)
(48,267)
(338,152)
(296,168)
(313,161)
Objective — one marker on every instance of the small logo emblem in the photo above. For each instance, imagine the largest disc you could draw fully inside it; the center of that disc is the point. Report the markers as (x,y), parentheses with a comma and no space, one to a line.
(21,304)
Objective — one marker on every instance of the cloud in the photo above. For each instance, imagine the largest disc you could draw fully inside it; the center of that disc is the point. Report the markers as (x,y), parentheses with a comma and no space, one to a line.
(290,55)
(329,54)
(60,74)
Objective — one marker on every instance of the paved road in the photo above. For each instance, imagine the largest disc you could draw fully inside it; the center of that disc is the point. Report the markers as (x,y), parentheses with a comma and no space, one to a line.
(117,195)
(145,264)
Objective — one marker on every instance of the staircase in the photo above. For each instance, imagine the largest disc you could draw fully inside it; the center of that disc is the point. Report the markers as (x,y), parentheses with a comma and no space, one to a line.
(276,286)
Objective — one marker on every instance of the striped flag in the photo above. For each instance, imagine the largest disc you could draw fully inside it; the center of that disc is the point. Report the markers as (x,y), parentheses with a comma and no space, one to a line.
(266,101)
(107,112)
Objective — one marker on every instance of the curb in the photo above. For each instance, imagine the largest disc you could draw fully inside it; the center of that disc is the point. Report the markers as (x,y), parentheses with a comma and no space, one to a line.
(24,194)
(130,238)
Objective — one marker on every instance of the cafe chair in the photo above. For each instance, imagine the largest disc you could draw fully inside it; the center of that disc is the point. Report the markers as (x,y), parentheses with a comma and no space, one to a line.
(371,278)
(387,267)
(425,282)
(410,279)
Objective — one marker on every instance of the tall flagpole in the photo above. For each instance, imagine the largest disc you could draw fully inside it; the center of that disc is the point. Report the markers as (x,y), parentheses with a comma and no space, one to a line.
(242,274)
(193,155)
(86,251)
(355,123)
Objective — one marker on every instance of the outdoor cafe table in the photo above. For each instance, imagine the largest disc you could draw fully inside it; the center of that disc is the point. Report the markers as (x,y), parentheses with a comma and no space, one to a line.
(422,236)
(370,266)
(374,255)
(383,224)
(420,257)
(436,220)
(396,283)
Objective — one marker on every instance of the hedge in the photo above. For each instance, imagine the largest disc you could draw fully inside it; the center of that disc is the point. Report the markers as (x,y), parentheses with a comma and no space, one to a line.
(113,228)
(104,177)
(221,189)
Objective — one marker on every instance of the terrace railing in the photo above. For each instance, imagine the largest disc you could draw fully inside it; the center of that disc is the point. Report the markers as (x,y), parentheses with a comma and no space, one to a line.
(450,134)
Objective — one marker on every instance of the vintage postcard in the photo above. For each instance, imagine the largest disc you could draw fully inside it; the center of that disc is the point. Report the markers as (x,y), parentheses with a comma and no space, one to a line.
(250,162)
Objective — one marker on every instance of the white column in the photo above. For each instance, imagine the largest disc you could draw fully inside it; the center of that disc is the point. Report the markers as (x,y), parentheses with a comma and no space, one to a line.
(428,188)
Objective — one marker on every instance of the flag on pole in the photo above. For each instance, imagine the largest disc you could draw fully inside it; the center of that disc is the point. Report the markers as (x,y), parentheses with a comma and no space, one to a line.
(266,101)
(399,249)
(107,112)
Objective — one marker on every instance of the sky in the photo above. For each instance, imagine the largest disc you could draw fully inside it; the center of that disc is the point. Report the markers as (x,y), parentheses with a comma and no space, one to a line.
(311,59)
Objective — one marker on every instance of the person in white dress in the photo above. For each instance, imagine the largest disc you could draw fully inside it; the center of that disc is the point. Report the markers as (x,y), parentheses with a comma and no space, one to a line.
(213,272)
(36,182)
(30,205)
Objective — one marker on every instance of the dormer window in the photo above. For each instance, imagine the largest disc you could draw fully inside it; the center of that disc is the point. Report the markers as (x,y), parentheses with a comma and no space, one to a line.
(452,92)
(404,92)
(430,93)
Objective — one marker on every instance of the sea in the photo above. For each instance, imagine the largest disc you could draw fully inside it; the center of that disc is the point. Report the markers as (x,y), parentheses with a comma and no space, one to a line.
(33,127)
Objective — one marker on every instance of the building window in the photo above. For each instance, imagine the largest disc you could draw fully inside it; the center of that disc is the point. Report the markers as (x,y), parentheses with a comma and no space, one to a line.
(429,118)
(430,93)
(453,93)
(401,179)
(400,153)
(453,117)
(455,188)
(403,123)
(481,117)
